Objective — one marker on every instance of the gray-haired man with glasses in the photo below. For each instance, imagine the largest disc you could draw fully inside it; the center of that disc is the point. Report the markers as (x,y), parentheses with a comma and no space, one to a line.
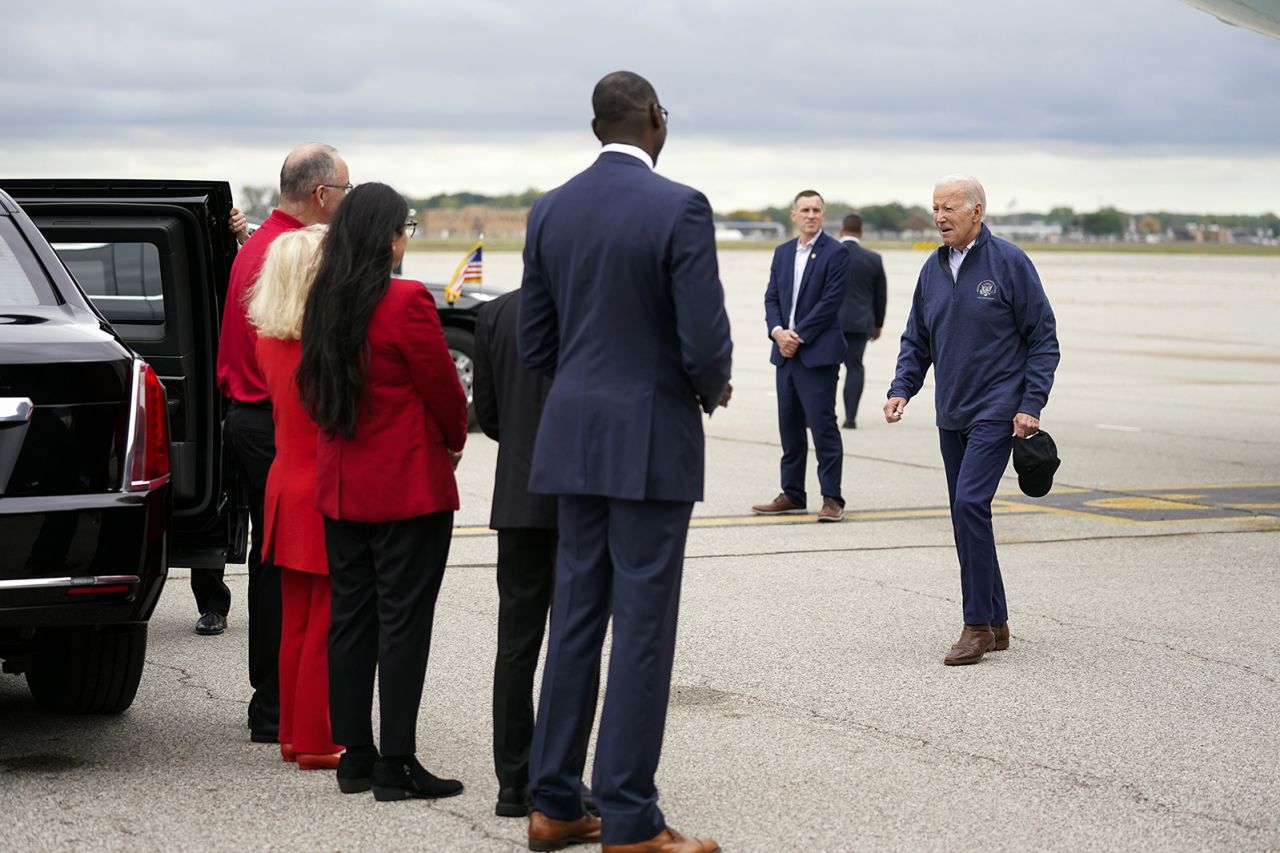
(313,182)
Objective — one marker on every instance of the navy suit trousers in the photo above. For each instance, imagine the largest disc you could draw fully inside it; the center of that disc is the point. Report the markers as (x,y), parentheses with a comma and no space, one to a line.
(975,461)
(625,559)
(807,398)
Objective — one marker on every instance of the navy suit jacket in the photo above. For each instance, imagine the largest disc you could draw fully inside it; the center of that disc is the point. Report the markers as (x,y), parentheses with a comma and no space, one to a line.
(621,298)
(822,290)
(864,301)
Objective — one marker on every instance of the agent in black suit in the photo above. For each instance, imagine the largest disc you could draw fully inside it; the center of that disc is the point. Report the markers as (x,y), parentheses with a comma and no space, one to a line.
(807,282)
(862,315)
(508,401)
(622,299)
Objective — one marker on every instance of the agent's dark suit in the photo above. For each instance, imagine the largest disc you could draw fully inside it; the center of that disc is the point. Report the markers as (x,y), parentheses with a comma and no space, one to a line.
(622,299)
(508,402)
(860,315)
(806,383)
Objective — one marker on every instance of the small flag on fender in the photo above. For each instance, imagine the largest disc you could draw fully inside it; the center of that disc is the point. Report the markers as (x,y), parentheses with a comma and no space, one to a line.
(468,272)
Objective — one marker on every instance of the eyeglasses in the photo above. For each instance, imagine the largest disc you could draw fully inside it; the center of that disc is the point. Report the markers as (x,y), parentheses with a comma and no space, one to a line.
(346,188)
(410,227)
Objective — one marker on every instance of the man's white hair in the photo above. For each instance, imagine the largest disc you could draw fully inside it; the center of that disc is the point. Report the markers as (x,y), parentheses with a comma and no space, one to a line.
(974,194)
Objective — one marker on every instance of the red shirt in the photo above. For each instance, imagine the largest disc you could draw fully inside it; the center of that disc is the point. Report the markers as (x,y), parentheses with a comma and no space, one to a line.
(238,375)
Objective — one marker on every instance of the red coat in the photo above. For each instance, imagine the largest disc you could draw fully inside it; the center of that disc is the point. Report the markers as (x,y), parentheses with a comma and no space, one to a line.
(413,412)
(293,532)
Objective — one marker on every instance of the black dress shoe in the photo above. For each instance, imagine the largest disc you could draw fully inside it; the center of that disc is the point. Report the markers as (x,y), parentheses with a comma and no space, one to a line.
(355,767)
(401,777)
(264,735)
(211,623)
(849,423)
(513,802)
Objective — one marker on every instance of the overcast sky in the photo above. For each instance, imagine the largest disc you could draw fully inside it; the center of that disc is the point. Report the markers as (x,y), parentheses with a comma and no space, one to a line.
(1144,104)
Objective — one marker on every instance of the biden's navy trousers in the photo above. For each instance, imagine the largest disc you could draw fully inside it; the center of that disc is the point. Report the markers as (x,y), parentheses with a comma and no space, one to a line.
(975,460)
(623,558)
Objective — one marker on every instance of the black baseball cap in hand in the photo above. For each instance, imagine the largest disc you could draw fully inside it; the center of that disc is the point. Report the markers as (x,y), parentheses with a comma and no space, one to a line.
(1035,458)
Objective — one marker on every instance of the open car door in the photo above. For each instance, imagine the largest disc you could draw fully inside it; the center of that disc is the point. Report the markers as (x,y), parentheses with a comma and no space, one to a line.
(154,257)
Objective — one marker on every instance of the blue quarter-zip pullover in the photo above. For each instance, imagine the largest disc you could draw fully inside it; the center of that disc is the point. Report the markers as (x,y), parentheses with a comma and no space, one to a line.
(990,335)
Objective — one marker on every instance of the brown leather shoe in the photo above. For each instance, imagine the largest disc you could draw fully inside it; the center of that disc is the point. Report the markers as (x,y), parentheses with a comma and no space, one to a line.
(975,641)
(1002,636)
(831,510)
(667,841)
(781,505)
(547,833)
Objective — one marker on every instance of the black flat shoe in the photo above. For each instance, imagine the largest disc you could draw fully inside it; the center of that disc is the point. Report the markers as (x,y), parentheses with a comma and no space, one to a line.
(211,624)
(355,768)
(401,777)
(513,802)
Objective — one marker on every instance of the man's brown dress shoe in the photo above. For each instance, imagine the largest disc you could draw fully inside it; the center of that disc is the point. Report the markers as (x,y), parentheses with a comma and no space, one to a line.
(667,841)
(547,833)
(781,505)
(1002,636)
(975,641)
(831,510)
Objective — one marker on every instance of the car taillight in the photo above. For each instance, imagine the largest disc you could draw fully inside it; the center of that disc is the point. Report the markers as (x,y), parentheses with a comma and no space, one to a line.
(148,454)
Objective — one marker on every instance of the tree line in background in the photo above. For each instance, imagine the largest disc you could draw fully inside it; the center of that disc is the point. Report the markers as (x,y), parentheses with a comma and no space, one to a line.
(257,202)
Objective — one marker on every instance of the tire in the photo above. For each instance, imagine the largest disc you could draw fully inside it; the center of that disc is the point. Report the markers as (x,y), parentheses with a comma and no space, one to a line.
(87,670)
(462,348)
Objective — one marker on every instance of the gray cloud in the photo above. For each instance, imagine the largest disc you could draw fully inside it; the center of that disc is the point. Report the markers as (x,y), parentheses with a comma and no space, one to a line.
(1141,73)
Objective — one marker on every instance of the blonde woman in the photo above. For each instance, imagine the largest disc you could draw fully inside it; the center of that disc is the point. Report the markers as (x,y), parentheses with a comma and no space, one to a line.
(293,532)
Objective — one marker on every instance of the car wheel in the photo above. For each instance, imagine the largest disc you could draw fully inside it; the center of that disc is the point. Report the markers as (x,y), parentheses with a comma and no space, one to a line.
(87,670)
(461,348)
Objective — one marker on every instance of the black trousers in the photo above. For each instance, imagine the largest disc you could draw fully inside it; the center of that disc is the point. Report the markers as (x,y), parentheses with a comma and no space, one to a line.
(526,570)
(386,577)
(249,435)
(854,375)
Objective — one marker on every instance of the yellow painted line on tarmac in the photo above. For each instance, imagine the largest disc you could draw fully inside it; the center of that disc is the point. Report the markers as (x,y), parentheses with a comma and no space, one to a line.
(1145,503)
(807,517)
(1146,499)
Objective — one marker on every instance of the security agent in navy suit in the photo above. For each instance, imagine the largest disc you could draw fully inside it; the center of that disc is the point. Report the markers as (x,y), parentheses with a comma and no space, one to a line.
(622,299)
(508,402)
(862,314)
(808,347)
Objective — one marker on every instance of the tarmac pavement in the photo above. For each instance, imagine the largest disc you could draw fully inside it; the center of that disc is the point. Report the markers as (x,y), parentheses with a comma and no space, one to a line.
(1137,707)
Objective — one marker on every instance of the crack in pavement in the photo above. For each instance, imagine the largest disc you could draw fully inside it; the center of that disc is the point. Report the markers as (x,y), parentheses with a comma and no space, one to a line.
(188,679)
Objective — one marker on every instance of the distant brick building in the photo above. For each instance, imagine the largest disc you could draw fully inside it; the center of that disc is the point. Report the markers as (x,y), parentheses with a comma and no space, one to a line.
(472,221)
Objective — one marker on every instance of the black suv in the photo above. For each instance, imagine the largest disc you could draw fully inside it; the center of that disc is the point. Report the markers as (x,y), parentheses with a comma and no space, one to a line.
(110,423)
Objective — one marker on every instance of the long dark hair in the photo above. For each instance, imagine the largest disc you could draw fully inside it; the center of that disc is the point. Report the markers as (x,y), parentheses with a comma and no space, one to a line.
(355,271)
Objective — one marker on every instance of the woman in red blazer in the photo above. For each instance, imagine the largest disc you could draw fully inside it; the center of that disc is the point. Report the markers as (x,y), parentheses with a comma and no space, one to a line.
(293,532)
(377,378)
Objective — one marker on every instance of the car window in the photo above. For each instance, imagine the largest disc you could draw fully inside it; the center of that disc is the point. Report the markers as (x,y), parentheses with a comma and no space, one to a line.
(22,279)
(122,279)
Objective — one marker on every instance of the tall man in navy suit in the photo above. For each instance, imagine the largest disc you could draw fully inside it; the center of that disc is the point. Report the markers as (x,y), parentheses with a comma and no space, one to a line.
(622,299)
(807,283)
(862,314)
